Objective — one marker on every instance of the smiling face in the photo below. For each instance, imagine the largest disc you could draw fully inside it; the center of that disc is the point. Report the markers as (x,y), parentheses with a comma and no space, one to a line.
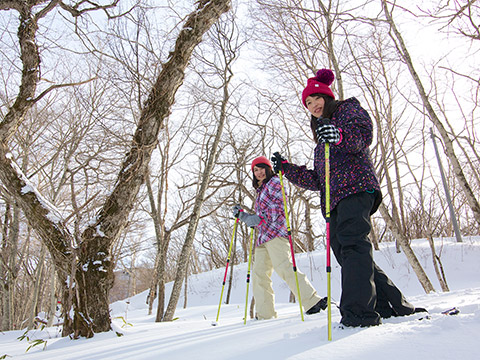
(259,173)
(315,105)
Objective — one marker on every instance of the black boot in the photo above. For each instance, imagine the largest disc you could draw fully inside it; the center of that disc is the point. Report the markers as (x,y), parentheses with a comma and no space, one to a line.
(320,305)
(360,321)
(419,309)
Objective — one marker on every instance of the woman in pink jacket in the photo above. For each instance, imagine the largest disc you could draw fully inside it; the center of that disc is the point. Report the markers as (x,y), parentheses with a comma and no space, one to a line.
(272,250)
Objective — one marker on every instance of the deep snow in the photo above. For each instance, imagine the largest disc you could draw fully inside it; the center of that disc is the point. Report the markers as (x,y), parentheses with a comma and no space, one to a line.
(192,336)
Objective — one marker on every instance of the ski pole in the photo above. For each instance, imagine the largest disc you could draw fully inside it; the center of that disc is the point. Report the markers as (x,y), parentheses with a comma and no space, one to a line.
(327,221)
(226,267)
(291,243)
(248,274)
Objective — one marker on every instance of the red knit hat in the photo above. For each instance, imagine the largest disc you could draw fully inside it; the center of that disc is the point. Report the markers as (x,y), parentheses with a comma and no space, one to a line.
(261,160)
(319,84)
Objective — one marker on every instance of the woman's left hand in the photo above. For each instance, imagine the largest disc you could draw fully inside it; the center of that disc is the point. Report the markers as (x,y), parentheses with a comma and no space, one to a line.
(328,133)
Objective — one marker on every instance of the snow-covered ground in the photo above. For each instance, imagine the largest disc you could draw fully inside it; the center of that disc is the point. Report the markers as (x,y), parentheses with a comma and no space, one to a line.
(192,335)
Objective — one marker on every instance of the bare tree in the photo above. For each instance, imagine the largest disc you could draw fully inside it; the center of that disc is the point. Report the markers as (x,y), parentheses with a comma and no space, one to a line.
(397,38)
(160,209)
(306,36)
(373,76)
(458,15)
(88,265)
(228,48)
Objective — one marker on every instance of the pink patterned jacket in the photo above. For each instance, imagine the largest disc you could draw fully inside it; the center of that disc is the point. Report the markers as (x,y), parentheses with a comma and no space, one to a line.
(269,205)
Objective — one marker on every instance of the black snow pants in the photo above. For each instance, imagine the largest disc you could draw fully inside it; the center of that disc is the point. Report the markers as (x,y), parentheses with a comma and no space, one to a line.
(367,292)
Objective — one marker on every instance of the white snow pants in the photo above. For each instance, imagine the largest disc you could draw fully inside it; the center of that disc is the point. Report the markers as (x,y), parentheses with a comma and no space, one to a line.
(276,255)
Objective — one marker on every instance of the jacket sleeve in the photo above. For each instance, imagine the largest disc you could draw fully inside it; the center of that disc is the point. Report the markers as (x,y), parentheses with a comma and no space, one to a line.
(303,177)
(356,126)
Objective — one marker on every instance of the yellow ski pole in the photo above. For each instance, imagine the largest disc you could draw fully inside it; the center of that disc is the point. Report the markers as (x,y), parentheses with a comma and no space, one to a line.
(248,274)
(226,268)
(291,243)
(327,220)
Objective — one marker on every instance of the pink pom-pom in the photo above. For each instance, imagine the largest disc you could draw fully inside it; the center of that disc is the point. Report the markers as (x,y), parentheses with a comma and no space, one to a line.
(325,76)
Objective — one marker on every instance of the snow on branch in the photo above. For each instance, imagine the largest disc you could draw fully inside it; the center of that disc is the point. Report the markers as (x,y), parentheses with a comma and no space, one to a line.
(53,214)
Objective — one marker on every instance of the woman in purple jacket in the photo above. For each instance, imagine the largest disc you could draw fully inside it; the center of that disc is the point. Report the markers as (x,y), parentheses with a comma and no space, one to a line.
(272,248)
(367,293)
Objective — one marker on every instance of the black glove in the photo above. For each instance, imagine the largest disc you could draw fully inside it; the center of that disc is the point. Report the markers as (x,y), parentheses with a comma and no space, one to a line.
(236,210)
(328,133)
(278,162)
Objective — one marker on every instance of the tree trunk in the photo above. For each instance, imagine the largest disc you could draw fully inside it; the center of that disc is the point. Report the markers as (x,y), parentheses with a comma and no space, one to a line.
(53,300)
(4,311)
(161,284)
(232,267)
(152,294)
(161,299)
(185,288)
(437,264)
(194,218)
(252,308)
(374,238)
(94,271)
(163,239)
(308,226)
(412,258)
(158,235)
(37,287)
(9,259)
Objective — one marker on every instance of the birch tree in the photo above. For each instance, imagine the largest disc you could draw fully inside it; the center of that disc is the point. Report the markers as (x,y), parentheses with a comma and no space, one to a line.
(402,49)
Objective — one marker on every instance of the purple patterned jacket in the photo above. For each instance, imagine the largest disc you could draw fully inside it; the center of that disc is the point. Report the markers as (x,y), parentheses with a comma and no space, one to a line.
(351,167)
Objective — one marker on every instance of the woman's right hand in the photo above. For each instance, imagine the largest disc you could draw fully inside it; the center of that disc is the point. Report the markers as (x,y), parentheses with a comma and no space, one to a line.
(236,209)
(278,162)
(251,220)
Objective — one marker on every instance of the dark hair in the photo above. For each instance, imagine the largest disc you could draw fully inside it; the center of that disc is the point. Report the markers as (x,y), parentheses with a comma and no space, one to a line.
(268,172)
(329,108)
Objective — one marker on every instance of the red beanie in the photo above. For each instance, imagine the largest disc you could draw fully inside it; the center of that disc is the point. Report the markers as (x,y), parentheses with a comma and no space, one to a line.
(261,160)
(319,84)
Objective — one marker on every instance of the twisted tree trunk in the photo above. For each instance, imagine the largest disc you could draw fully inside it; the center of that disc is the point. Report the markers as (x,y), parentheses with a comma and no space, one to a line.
(86,270)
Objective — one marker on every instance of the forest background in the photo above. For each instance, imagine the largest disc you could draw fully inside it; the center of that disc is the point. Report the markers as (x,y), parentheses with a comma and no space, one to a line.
(127,129)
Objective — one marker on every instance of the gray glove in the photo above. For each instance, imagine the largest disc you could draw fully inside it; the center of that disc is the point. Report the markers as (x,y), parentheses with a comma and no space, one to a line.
(250,220)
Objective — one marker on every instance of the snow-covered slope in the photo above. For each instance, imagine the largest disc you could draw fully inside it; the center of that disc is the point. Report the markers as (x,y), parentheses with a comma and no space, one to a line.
(192,335)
